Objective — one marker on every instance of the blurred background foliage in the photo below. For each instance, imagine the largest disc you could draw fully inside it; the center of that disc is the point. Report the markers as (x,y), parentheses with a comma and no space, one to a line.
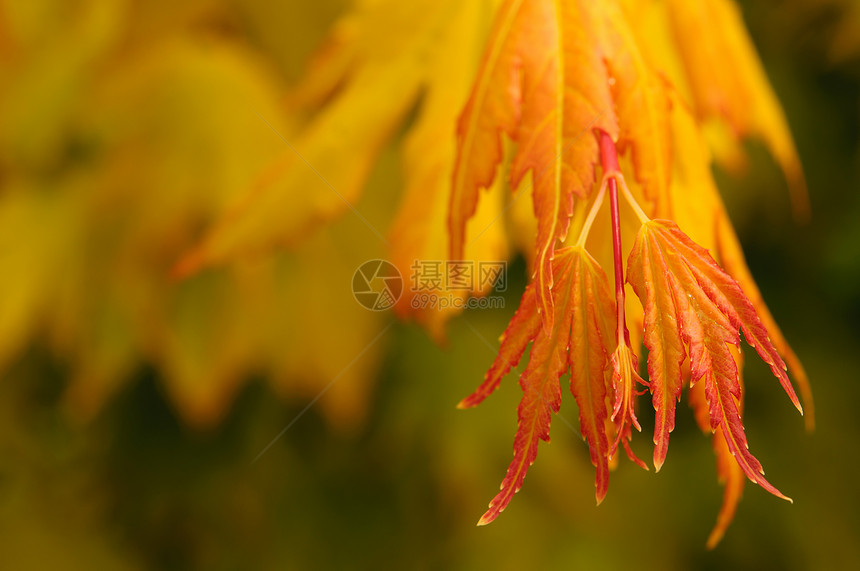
(133,407)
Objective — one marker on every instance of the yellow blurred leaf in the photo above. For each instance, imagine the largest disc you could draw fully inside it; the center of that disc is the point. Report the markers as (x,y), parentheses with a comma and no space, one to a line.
(323,170)
(713,31)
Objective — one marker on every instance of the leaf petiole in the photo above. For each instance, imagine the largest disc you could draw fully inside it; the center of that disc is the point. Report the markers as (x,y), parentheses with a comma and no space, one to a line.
(592,214)
(643,218)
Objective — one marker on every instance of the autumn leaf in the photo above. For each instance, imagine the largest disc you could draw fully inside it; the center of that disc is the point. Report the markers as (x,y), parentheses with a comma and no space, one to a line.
(688,297)
(544,85)
(706,221)
(729,472)
(642,106)
(710,31)
(665,351)
(149,122)
(644,91)
(418,232)
(393,56)
(732,257)
(578,342)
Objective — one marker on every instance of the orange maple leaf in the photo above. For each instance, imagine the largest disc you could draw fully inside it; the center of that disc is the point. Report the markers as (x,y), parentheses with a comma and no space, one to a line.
(543,85)
(729,472)
(687,296)
(577,341)
(636,76)
(650,80)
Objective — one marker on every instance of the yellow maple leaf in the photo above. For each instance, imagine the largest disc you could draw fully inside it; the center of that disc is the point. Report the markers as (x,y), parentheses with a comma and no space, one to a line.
(125,128)
(322,173)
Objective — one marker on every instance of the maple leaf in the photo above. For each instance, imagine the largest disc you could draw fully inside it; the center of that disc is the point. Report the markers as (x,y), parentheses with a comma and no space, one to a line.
(380,59)
(577,341)
(710,31)
(641,103)
(699,209)
(544,85)
(732,258)
(418,231)
(729,472)
(652,107)
(171,133)
(688,297)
